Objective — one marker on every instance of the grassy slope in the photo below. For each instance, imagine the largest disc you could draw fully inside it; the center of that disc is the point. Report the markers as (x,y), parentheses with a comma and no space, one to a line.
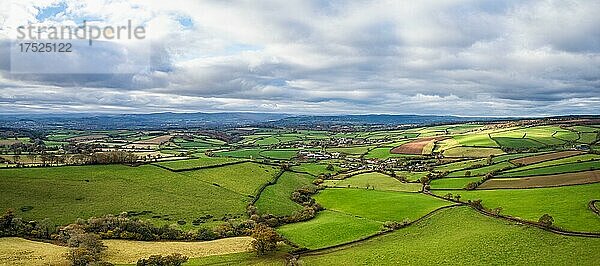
(378,205)
(460,236)
(316,168)
(556,169)
(195,163)
(275,199)
(63,195)
(377,180)
(482,170)
(452,183)
(329,228)
(567,205)
(244,178)
(572,159)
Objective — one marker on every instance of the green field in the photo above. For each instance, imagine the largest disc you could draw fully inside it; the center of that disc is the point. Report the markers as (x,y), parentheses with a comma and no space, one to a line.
(379,205)
(316,168)
(411,176)
(357,150)
(518,142)
(556,169)
(475,140)
(375,181)
(243,153)
(452,183)
(481,170)
(196,163)
(276,199)
(329,228)
(567,205)
(244,178)
(472,152)
(463,237)
(279,154)
(572,159)
(64,194)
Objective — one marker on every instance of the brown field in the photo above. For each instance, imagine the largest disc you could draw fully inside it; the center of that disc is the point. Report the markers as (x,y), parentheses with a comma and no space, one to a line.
(19,251)
(8,142)
(156,141)
(126,251)
(545,157)
(414,147)
(585,177)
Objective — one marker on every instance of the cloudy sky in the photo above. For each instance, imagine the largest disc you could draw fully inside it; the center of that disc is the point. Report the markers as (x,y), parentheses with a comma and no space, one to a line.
(473,58)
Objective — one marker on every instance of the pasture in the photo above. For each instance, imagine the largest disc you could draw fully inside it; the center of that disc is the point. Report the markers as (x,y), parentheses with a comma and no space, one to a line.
(464,238)
(329,228)
(276,199)
(567,205)
(376,181)
(64,194)
(378,205)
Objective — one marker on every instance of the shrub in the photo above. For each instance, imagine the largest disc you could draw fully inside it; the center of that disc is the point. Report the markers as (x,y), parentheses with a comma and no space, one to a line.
(546,220)
(174,259)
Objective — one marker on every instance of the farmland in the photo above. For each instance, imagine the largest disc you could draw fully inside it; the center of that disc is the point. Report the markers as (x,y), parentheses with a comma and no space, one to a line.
(335,196)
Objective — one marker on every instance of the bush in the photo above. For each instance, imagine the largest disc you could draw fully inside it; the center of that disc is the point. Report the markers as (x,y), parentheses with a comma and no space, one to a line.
(546,220)
(265,239)
(174,259)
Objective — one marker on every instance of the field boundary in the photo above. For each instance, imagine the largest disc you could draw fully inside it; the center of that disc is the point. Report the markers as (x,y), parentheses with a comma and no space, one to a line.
(200,167)
(593,207)
(536,168)
(265,185)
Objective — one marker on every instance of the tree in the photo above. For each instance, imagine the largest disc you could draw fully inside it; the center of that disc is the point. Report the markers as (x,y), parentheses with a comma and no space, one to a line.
(265,239)
(330,167)
(546,220)
(468,173)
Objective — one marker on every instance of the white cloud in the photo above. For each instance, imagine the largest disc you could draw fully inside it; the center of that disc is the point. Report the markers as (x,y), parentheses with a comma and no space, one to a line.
(435,57)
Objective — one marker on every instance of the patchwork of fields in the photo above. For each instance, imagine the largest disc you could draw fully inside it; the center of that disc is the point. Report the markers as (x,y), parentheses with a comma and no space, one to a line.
(346,197)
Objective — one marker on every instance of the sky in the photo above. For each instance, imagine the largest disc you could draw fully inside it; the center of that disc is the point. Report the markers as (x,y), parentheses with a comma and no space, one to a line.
(436,57)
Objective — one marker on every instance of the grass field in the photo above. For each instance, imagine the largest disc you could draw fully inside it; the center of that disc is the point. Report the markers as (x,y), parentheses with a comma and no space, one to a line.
(481,170)
(356,150)
(545,157)
(556,169)
(64,194)
(452,183)
(381,153)
(567,205)
(576,178)
(279,154)
(196,163)
(378,205)
(455,166)
(276,199)
(329,228)
(411,176)
(316,168)
(374,180)
(244,178)
(518,142)
(472,152)
(243,153)
(572,159)
(477,140)
(463,237)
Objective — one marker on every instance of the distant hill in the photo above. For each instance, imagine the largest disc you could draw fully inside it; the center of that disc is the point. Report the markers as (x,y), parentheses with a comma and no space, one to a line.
(214,120)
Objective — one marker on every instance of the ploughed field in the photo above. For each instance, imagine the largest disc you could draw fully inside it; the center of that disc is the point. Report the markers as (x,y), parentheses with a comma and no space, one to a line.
(446,194)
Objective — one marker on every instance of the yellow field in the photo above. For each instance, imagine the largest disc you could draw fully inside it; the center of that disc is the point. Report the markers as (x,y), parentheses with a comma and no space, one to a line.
(125,251)
(18,251)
